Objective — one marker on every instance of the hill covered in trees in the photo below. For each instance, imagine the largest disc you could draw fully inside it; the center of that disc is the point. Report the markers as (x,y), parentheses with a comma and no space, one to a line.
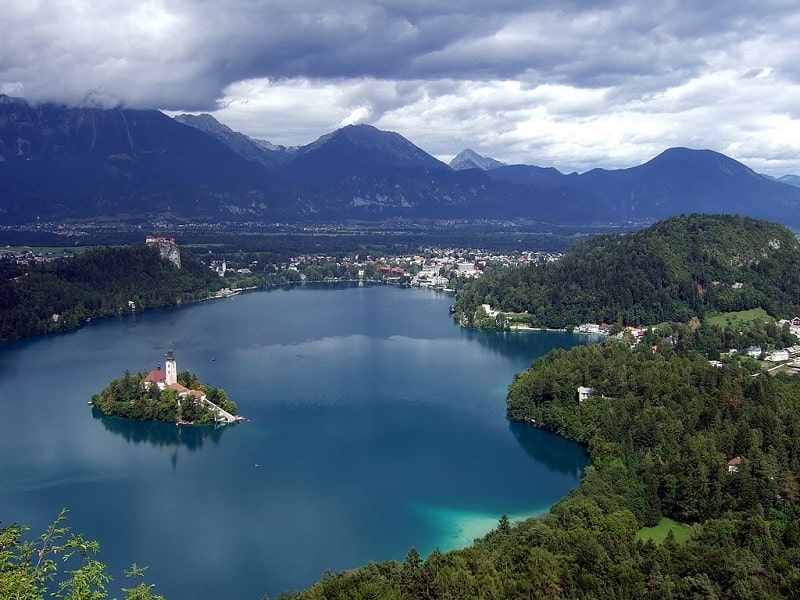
(676,269)
(101,282)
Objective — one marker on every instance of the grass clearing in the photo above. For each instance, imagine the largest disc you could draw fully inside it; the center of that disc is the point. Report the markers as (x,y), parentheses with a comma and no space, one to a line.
(739,319)
(659,532)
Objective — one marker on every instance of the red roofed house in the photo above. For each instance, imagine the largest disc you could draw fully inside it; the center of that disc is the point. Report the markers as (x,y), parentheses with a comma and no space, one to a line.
(734,463)
(156,376)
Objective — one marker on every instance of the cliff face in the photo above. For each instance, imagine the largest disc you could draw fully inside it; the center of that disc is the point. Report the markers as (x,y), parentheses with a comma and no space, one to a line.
(171,252)
(168,249)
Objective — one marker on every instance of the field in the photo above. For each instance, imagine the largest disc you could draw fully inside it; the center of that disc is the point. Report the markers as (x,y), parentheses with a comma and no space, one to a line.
(659,533)
(739,319)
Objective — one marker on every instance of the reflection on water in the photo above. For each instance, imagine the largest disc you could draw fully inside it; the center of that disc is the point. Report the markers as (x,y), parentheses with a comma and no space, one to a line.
(557,454)
(162,435)
(527,345)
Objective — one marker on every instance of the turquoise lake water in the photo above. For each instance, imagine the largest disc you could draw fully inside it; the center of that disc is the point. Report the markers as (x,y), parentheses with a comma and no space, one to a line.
(375,424)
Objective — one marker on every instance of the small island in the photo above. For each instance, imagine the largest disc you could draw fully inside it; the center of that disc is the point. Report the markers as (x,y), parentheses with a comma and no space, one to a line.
(166,395)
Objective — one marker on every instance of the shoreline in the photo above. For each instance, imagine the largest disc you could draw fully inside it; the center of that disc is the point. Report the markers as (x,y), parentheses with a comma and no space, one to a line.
(556,329)
(458,529)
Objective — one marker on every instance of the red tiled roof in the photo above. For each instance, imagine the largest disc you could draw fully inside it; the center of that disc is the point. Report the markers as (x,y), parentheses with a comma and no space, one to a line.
(178,388)
(197,393)
(156,376)
(735,462)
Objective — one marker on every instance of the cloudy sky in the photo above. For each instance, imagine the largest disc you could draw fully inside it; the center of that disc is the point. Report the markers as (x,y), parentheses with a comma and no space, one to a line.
(571,84)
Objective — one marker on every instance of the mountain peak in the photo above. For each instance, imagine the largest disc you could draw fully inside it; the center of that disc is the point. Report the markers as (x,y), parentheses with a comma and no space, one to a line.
(469,159)
(700,159)
(369,146)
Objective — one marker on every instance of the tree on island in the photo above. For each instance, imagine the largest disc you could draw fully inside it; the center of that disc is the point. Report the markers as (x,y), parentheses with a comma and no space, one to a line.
(132,397)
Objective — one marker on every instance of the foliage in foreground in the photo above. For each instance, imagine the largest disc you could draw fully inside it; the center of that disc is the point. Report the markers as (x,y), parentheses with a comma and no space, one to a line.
(659,431)
(30,570)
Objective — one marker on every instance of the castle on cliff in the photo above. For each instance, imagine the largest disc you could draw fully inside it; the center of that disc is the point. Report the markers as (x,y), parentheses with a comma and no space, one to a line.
(166,247)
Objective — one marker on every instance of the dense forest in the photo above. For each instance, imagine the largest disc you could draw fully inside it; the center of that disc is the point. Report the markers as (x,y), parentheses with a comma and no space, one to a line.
(676,269)
(63,294)
(660,430)
(131,398)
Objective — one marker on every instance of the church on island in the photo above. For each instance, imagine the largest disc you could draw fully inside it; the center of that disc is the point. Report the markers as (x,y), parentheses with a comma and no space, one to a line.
(168,378)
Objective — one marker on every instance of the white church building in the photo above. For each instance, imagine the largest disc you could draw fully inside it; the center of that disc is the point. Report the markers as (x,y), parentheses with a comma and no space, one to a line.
(168,378)
(164,378)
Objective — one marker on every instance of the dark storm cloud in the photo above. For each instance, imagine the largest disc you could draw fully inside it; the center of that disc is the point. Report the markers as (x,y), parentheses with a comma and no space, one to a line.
(183,54)
(551,82)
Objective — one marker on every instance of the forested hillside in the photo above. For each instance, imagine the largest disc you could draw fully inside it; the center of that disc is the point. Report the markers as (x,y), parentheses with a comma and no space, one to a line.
(660,431)
(671,271)
(61,295)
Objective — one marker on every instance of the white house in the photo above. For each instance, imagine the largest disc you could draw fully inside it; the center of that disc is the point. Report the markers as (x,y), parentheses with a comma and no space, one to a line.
(487,308)
(590,328)
(778,356)
(465,267)
(584,393)
(754,352)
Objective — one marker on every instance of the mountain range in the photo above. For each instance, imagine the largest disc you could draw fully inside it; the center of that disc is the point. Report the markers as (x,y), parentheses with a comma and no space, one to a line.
(59,163)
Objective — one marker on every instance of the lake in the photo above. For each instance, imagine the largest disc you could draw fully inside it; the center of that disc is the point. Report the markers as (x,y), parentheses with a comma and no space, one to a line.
(375,424)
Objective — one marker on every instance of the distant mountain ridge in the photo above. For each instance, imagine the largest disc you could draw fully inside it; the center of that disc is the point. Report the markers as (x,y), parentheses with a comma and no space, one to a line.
(790,180)
(248,148)
(85,163)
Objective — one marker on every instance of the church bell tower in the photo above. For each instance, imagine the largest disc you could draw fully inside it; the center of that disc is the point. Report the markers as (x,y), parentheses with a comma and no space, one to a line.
(171,375)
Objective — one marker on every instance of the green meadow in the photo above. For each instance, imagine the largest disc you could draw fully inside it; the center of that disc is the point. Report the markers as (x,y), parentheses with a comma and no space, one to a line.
(658,533)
